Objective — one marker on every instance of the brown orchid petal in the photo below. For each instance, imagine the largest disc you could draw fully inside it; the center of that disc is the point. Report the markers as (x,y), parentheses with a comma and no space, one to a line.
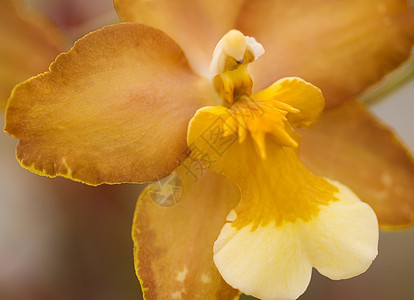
(174,245)
(196,26)
(339,46)
(113,109)
(28,44)
(350,145)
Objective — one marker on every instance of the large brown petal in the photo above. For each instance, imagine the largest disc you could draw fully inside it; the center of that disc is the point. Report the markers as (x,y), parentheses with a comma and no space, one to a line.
(113,109)
(350,145)
(341,46)
(174,245)
(197,25)
(28,44)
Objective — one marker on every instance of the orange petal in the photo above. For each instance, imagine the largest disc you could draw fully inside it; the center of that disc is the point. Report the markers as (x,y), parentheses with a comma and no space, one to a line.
(29,43)
(339,46)
(174,245)
(113,109)
(197,25)
(350,145)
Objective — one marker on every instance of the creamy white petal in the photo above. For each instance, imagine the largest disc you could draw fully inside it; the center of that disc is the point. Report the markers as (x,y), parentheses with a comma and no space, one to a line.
(342,241)
(275,262)
(255,46)
(268,263)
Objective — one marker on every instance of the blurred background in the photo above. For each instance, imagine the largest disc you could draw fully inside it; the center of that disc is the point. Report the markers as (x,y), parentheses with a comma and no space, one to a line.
(64,240)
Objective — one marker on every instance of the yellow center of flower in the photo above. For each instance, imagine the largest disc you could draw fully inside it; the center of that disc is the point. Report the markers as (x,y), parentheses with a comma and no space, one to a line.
(251,139)
(233,83)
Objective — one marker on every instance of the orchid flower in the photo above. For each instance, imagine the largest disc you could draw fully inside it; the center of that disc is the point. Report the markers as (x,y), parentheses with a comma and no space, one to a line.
(117,108)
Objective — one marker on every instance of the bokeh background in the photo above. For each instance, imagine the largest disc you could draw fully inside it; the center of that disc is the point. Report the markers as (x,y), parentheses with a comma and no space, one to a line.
(64,240)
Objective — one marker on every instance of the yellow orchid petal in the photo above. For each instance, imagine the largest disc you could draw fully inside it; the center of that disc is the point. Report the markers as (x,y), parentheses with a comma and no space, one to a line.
(29,43)
(113,109)
(305,100)
(268,262)
(174,244)
(281,204)
(342,241)
(272,176)
(350,145)
(340,46)
(196,25)
(276,261)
